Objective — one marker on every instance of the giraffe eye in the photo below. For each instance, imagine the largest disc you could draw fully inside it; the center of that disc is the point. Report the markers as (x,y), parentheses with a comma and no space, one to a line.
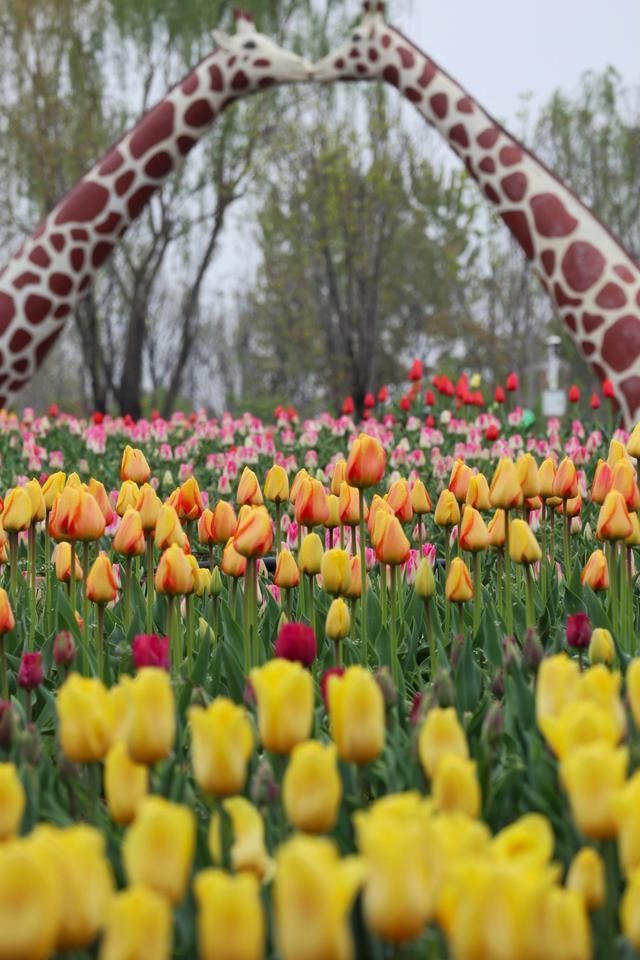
(356,38)
(249,45)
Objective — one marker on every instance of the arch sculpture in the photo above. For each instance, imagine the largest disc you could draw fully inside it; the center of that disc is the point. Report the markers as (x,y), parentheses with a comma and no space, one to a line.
(592,280)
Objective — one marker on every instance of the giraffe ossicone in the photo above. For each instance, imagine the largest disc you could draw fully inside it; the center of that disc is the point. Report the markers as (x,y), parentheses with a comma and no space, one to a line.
(45,279)
(591,278)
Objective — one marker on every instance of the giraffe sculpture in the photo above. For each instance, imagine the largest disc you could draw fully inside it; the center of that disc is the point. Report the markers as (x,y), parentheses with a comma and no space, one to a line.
(45,279)
(590,277)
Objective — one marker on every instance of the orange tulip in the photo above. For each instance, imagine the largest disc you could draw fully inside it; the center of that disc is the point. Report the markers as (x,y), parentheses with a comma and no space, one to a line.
(459,480)
(355,589)
(311,507)
(505,490)
(129,537)
(254,536)
(565,484)
(399,499)
(473,534)
(458,587)
(148,506)
(447,512)
(614,522)
(168,528)
(366,463)
(99,494)
(174,575)
(297,481)
(420,499)
(478,492)
(287,574)
(601,482)
(249,491)
(276,484)
(497,529)
(546,477)
(572,507)
(101,585)
(134,466)
(79,516)
(377,504)
(218,526)
(188,503)
(623,478)
(339,476)
(596,571)
(392,546)
(528,479)
(7,621)
(349,505)
(62,563)
(232,563)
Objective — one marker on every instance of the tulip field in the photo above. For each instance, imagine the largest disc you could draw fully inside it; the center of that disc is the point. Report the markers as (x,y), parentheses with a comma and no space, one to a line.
(321,689)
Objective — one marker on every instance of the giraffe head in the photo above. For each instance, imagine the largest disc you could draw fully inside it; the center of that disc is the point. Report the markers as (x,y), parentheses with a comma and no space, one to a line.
(260,58)
(362,56)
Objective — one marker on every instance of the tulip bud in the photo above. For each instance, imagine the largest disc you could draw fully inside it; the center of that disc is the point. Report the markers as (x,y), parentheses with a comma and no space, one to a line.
(311,507)
(425,584)
(101,583)
(601,482)
(254,536)
(126,784)
(312,788)
(366,463)
(333,520)
(355,587)
(231,919)
(420,499)
(357,715)
(62,562)
(222,744)
(53,485)
(148,506)
(594,767)
(447,513)
(336,572)
(633,443)
(138,923)
(338,622)
(127,497)
(30,674)
(16,515)
(276,484)
(565,483)
(150,650)
(129,537)
(587,877)
(158,847)
(527,471)
(13,801)
(339,476)
(623,478)
(497,530)
(505,490)
(38,506)
(458,587)
(473,535)
(455,787)
(64,649)
(249,491)
(546,478)
(614,522)
(388,687)
(441,735)
(399,499)
(232,564)
(523,546)
(134,465)
(7,620)
(287,574)
(532,650)
(391,544)
(459,480)
(578,630)
(284,692)
(151,722)
(478,492)
(216,582)
(493,725)
(601,647)
(596,571)
(310,555)
(174,575)
(296,642)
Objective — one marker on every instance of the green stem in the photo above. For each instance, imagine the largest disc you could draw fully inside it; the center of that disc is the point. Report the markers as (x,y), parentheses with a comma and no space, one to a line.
(253,610)
(383,593)
(566,522)
(4,674)
(278,530)
(172,634)
(394,625)
(477,591)
(32,587)
(150,584)
(13,561)
(312,603)
(507,577)
(431,637)
(190,631)
(127,594)
(47,575)
(447,604)
(531,613)
(420,537)
(72,575)
(85,599)
(364,653)
(341,537)
(543,562)
(500,579)
(613,588)
(100,638)
(246,615)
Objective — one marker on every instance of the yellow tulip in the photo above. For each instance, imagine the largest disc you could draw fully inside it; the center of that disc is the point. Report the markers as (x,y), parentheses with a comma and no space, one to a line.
(287,574)
(249,491)
(626,812)
(338,476)
(158,847)
(134,465)
(313,894)
(505,491)
(447,512)
(310,555)
(555,686)
(284,691)
(232,564)
(174,575)
(7,619)
(459,480)
(632,679)
(391,543)
(276,484)
(336,572)
(595,573)
(523,546)
(127,496)
(12,801)
(455,787)
(592,775)
(231,923)
(565,482)
(527,472)
(254,534)
(578,724)
(333,520)
(356,713)
(546,476)
(221,745)
(38,506)
(473,534)
(168,529)
(148,506)
(441,734)
(586,876)
(129,537)
(425,584)
(366,462)
(30,902)
(101,584)
(139,924)
(394,839)
(53,485)
(125,783)
(16,515)
(338,622)
(297,483)
(565,921)
(248,852)
(151,726)
(528,841)
(420,499)
(458,587)
(84,723)
(497,530)
(84,875)
(601,647)
(614,522)
(312,788)
(478,492)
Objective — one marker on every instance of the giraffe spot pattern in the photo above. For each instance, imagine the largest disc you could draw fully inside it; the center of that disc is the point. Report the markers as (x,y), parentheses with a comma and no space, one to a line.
(362,68)
(60,284)
(262,62)
(591,321)
(79,233)
(138,200)
(111,162)
(510,155)
(571,322)
(631,390)
(516,221)
(465,105)
(487,165)
(514,186)
(20,340)
(621,343)
(84,203)
(190,84)
(111,223)
(77,259)
(439,104)
(488,137)
(20,366)
(26,279)
(240,81)
(373,54)
(391,75)
(45,345)
(407,58)
(611,296)
(124,182)
(412,94)
(587,347)
(159,165)
(62,311)
(7,311)
(216,78)
(155,127)
(100,253)
(458,134)
(582,265)
(57,241)
(624,273)
(548,258)
(199,114)
(563,299)
(490,193)
(427,75)
(36,308)
(185,144)
(551,217)
(386,40)
(40,257)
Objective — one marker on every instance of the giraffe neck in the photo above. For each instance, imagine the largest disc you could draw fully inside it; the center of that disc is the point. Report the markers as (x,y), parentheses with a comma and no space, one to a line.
(42,283)
(594,283)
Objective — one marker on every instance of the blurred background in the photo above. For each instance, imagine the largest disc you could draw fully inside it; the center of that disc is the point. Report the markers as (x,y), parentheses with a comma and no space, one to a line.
(319,238)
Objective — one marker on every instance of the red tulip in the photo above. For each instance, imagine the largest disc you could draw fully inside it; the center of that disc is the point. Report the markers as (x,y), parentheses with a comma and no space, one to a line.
(416,370)
(150,650)
(578,630)
(348,406)
(595,401)
(405,403)
(383,395)
(369,401)
(296,641)
(429,398)
(607,390)
(574,394)
(30,671)
(499,395)
(512,383)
